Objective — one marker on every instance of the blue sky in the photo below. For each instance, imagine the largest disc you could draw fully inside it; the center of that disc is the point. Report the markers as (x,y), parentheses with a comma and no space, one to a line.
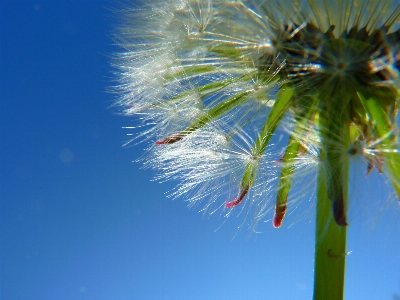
(79,220)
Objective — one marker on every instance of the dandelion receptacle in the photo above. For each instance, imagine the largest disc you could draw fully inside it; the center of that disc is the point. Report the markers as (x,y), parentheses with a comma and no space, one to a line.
(239,99)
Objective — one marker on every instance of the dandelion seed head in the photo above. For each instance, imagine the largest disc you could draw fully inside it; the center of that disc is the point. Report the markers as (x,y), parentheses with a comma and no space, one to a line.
(237,98)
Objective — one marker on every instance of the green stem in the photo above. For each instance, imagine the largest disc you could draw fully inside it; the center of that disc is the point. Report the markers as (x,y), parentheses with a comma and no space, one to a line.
(331,210)
(330,249)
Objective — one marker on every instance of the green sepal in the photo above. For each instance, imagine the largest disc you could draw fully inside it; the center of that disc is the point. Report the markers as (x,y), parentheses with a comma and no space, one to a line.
(277,112)
(225,50)
(205,90)
(217,111)
(249,175)
(302,121)
(385,128)
(285,180)
(191,71)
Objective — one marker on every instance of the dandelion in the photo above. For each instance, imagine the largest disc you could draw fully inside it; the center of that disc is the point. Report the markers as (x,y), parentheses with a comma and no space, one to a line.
(241,99)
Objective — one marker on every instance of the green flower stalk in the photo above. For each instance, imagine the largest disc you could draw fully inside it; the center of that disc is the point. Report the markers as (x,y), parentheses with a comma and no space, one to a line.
(243,101)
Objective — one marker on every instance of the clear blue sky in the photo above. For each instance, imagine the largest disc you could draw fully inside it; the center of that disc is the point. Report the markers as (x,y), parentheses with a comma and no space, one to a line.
(79,220)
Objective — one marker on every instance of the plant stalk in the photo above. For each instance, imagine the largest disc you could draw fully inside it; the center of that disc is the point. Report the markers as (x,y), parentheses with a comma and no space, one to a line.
(331,209)
(330,250)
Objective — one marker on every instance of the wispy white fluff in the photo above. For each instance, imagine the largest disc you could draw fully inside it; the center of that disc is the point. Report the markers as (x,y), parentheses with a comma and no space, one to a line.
(182,59)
